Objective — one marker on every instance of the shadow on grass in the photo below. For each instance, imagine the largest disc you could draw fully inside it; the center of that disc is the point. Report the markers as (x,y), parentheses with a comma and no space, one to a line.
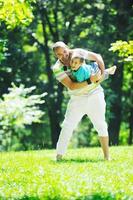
(35,198)
(89,197)
(97,197)
(78,160)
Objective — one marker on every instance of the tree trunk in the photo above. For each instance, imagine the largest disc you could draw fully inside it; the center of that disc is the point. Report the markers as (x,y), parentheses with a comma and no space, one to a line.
(53,102)
(114,124)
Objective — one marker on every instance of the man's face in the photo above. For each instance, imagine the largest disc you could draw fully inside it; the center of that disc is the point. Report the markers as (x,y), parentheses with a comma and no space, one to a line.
(62,53)
(75,63)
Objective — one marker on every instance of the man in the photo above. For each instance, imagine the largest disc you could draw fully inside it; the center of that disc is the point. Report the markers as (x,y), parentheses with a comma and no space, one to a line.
(85,99)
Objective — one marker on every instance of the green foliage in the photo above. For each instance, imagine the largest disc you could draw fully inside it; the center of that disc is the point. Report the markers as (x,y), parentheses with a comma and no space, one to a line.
(17,109)
(124,133)
(83,175)
(124,50)
(16,12)
(3,50)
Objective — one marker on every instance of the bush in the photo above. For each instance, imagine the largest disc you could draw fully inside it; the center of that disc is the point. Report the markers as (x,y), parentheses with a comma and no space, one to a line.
(18,109)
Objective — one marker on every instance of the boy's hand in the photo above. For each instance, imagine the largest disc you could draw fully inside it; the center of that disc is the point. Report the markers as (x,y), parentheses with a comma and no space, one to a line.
(93,78)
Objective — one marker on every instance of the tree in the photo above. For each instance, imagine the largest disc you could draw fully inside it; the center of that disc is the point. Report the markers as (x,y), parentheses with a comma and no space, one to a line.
(124,11)
(125,53)
(15,13)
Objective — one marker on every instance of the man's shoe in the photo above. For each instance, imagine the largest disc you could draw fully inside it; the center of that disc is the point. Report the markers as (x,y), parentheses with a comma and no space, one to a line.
(58,157)
(107,158)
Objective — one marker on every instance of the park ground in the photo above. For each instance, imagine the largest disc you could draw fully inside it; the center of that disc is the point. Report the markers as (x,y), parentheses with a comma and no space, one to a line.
(82,175)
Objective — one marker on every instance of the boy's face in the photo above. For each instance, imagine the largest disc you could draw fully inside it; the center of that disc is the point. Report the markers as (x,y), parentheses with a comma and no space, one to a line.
(75,63)
(62,53)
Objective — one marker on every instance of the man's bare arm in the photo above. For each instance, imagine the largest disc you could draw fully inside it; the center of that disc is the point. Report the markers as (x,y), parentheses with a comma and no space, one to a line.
(62,77)
(97,57)
(67,82)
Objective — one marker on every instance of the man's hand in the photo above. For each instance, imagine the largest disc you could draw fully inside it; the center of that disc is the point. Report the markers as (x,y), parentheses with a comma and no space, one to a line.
(98,58)
(96,78)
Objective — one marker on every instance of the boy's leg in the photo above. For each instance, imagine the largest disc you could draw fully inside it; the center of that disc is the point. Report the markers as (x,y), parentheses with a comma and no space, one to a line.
(73,115)
(96,113)
(100,78)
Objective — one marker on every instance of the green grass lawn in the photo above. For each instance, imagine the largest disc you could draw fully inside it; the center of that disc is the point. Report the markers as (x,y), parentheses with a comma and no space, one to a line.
(82,175)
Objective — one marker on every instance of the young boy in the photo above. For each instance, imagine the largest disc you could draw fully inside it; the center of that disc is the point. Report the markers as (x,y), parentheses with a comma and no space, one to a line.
(91,72)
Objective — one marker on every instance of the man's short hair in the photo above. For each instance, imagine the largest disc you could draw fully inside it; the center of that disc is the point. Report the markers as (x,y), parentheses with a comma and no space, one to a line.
(59,44)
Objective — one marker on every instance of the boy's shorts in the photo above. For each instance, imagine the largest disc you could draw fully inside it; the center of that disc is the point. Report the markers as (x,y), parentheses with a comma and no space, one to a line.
(94,68)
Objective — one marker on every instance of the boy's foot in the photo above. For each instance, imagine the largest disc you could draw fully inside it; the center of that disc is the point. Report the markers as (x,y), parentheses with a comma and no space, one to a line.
(59,157)
(112,70)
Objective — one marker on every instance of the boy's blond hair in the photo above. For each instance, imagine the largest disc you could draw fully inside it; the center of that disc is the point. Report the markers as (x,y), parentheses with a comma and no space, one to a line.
(76,55)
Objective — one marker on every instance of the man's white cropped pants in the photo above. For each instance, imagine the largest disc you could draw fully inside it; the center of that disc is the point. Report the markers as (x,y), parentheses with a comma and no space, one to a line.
(92,104)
